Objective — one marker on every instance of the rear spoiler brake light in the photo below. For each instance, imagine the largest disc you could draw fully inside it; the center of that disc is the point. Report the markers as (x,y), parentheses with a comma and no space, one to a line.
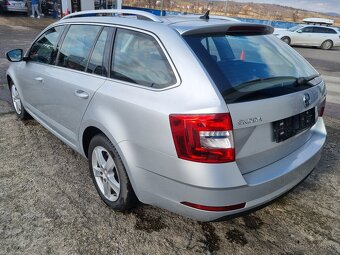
(250,30)
(229,28)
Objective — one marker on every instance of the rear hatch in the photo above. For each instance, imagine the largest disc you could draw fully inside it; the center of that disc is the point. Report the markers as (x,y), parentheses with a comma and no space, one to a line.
(273,94)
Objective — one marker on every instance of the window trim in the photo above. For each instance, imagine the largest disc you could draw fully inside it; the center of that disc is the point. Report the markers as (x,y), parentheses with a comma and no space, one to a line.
(106,58)
(174,69)
(92,48)
(114,29)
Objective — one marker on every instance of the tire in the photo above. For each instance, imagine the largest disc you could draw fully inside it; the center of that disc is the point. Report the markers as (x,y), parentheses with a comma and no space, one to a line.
(327,45)
(109,175)
(286,39)
(17,104)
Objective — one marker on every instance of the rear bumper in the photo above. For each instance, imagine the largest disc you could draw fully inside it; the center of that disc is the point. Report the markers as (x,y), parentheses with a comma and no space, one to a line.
(258,187)
(15,9)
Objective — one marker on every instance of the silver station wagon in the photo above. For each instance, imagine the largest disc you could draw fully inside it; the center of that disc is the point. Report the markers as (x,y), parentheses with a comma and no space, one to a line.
(202,116)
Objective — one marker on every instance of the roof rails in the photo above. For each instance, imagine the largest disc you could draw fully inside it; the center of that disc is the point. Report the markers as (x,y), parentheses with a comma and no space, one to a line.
(140,14)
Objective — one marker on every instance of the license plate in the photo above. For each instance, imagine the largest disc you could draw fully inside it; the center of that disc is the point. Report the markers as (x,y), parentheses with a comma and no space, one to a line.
(291,126)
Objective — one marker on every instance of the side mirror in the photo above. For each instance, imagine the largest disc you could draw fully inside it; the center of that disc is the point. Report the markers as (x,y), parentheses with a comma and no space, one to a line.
(15,55)
(299,31)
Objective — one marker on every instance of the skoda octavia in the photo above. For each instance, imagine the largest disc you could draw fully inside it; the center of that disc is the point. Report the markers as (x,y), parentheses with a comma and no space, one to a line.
(205,117)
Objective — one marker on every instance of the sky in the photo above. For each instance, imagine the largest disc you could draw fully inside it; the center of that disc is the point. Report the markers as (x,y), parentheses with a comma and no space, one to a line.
(312,5)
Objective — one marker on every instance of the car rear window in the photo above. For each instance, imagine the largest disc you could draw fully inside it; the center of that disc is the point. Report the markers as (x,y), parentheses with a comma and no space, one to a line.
(249,67)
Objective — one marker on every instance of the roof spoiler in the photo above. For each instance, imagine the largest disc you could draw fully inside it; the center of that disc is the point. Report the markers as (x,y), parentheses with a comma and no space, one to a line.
(232,29)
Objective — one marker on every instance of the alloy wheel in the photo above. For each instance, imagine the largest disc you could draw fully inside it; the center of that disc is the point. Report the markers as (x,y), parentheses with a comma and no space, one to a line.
(16,99)
(105,173)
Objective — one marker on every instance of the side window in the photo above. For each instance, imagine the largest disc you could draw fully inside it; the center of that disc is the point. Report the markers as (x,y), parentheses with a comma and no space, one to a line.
(96,61)
(329,31)
(77,45)
(138,58)
(319,30)
(44,49)
(307,30)
(324,30)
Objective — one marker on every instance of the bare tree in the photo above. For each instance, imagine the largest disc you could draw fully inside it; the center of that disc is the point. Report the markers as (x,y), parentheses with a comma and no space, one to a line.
(295,16)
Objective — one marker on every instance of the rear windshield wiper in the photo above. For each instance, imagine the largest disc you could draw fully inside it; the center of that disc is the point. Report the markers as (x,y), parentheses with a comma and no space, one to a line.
(279,79)
(259,81)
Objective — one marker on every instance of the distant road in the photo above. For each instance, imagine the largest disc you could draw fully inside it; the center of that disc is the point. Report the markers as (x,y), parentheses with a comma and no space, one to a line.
(327,62)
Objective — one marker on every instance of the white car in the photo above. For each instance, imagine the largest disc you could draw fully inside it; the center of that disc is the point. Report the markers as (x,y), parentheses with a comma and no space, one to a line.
(324,37)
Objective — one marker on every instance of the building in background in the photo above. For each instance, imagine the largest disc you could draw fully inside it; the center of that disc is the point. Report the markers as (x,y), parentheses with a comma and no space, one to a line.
(70,6)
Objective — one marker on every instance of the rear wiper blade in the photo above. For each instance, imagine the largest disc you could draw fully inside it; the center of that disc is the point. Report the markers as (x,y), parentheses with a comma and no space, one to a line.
(260,80)
(305,80)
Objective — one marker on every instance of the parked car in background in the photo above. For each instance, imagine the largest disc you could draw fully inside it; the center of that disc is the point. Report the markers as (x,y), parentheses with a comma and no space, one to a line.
(13,6)
(202,116)
(322,36)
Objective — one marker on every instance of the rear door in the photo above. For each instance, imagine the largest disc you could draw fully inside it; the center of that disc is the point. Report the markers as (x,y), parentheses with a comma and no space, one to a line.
(69,86)
(322,34)
(257,75)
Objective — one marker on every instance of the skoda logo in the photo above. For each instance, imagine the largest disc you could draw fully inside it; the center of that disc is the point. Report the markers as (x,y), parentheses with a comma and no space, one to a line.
(306,100)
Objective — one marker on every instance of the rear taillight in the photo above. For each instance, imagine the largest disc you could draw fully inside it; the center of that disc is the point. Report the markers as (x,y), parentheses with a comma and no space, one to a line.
(206,138)
(321,108)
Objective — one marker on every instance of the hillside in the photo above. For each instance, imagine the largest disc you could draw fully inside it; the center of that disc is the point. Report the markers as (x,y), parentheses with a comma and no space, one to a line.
(244,10)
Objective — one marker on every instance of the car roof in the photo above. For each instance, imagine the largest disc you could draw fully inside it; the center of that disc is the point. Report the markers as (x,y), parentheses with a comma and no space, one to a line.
(183,24)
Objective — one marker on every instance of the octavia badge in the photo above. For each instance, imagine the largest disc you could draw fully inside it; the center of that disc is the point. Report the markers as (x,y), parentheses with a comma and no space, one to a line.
(306,100)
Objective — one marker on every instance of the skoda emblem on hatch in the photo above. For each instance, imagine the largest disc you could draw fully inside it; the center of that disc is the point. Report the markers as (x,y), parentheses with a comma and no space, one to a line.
(306,100)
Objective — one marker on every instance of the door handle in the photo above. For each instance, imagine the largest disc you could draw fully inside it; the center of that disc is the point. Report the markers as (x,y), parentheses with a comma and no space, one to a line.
(39,79)
(81,94)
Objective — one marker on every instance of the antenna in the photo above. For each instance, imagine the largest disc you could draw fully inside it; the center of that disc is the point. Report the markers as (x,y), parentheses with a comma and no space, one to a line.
(206,15)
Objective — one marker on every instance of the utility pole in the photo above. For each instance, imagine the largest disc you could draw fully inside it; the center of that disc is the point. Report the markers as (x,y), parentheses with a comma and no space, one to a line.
(226,7)
(162,6)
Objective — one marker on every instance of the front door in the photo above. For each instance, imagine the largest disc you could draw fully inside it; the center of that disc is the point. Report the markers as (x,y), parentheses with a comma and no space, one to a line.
(72,82)
(41,57)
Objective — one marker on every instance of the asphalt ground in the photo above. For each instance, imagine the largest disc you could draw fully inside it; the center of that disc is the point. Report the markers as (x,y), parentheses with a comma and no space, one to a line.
(48,204)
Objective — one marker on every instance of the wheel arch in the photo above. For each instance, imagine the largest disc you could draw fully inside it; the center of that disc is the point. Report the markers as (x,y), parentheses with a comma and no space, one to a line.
(87,136)
(288,37)
(9,80)
(93,129)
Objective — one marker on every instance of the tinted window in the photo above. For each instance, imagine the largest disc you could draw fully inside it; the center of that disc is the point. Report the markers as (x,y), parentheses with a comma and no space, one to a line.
(247,64)
(138,58)
(307,30)
(77,45)
(96,65)
(44,49)
(324,30)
